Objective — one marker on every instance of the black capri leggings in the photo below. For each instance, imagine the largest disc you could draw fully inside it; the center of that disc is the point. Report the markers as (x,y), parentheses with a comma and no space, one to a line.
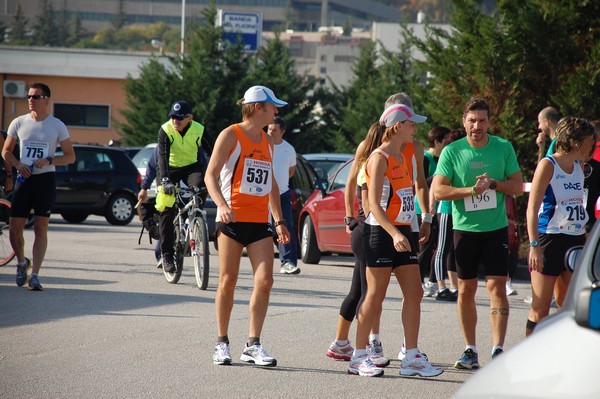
(359,279)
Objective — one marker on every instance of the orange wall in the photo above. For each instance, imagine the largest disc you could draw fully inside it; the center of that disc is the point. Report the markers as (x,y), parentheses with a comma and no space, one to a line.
(90,91)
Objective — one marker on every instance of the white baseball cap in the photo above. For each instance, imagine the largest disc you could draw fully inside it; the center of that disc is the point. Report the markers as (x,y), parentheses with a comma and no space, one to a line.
(262,94)
(400,113)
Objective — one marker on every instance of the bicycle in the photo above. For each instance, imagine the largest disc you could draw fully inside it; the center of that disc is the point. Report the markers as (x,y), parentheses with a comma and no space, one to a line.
(191,237)
(6,252)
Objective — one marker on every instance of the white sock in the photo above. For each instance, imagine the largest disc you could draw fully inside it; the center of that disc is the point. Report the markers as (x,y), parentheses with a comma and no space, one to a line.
(342,343)
(497,347)
(472,347)
(373,337)
(411,353)
(359,353)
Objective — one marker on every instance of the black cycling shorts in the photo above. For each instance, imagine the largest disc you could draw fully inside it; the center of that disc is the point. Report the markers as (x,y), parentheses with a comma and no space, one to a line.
(38,192)
(379,247)
(554,248)
(489,248)
(245,232)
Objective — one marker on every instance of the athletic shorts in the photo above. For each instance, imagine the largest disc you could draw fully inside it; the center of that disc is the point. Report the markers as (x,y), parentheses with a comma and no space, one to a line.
(554,249)
(245,232)
(379,247)
(489,248)
(38,192)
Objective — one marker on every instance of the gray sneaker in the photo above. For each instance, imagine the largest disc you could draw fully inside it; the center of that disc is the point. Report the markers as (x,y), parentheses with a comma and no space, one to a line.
(34,283)
(289,268)
(22,271)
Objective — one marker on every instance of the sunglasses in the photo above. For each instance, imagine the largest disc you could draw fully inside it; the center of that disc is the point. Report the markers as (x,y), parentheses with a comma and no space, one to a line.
(35,96)
(179,118)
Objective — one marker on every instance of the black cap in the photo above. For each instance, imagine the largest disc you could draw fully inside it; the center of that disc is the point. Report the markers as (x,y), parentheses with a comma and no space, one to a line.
(180,109)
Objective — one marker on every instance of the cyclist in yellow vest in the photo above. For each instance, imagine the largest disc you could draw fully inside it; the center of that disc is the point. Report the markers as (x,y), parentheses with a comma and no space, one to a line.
(179,140)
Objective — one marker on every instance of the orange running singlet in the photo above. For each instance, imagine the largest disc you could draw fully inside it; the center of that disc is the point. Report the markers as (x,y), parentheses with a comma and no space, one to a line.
(246,178)
(397,197)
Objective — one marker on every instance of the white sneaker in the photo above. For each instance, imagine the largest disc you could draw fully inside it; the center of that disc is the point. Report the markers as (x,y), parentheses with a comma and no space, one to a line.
(429,289)
(378,361)
(402,354)
(364,367)
(258,355)
(377,346)
(419,366)
(288,268)
(221,355)
(340,352)
(510,290)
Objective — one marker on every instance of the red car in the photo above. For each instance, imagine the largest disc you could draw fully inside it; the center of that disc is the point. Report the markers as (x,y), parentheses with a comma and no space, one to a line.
(321,220)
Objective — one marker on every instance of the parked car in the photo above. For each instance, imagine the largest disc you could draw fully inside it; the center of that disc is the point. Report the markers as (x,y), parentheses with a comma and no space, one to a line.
(325,164)
(571,337)
(102,181)
(321,221)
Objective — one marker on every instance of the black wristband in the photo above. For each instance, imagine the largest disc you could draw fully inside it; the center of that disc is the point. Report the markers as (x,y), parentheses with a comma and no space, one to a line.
(280,222)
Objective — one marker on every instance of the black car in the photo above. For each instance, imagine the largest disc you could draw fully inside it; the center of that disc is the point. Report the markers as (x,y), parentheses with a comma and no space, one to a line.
(102,181)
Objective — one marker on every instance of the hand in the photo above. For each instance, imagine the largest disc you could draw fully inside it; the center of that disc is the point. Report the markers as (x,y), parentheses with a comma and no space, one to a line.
(226,215)
(536,259)
(401,243)
(168,187)
(143,195)
(283,235)
(424,232)
(540,140)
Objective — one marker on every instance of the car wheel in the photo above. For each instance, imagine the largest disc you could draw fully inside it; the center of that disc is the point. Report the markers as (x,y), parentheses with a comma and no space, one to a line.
(120,209)
(74,217)
(309,250)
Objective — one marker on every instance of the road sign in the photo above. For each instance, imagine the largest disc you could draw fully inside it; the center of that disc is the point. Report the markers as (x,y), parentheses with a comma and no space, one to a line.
(241,26)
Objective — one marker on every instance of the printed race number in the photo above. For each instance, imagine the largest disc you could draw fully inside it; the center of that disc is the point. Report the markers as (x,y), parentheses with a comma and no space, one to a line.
(485,200)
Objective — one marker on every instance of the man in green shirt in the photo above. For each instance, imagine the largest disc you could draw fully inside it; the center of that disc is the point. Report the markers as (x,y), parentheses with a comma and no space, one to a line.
(475,173)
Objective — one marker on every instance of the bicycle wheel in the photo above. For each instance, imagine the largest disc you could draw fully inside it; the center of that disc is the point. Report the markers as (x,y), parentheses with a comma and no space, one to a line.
(6,252)
(178,252)
(200,252)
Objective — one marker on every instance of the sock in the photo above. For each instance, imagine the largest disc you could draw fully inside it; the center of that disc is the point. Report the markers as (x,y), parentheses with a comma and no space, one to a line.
(34,274)
(472,347)
(374,337)
(342,343)
(529,327)
(224,339)
(497,347)
(22,263)
(253,341)
(411,353)
(453,290)
(359,353)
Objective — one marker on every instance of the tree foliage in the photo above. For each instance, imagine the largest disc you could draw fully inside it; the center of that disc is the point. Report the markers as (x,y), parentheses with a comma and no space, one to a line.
(522,58)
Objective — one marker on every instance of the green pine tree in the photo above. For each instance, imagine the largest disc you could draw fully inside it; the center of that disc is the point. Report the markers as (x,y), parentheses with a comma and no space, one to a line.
(19,28)
(45,29)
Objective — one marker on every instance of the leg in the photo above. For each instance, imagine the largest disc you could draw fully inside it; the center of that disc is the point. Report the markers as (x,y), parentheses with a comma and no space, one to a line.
(561,286)
(260,254)
(40,242)
(17,241)
(288,253)
(541,296)
(408,276)
(378,279)
(496,286)
(230,252)
(167,233)
(467,311)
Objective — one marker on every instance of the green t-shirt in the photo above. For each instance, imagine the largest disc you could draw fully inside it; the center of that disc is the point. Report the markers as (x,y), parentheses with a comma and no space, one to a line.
(462,163)
(552,148)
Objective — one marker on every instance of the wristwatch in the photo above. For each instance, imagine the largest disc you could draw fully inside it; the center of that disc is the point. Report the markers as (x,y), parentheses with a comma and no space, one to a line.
(493,184)
(534,243)
(347,220)
(49,160)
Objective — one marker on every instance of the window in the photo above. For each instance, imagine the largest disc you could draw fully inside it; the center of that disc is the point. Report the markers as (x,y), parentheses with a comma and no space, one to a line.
(344,58)
(88,161)
(83,115)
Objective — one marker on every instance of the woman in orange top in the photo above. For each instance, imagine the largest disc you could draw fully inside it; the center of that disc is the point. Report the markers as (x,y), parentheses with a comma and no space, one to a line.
(240,181)
(390,246)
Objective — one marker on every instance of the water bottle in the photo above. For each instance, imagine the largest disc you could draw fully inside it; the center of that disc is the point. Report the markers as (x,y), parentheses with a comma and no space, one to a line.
(21,178)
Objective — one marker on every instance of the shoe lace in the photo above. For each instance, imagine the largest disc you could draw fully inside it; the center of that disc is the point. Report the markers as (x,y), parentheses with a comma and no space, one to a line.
(260,351)
(223,349)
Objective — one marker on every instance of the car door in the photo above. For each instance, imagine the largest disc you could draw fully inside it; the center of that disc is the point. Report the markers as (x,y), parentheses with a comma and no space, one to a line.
(85,183)
(330,214)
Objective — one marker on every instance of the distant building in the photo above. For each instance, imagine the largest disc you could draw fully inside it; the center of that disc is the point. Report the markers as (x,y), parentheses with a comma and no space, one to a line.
(302,15)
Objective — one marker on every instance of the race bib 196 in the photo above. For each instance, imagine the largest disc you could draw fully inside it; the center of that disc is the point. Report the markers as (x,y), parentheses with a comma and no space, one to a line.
(485,200)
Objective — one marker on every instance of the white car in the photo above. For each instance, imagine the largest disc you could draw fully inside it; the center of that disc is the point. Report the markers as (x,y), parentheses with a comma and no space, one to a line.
(561,359)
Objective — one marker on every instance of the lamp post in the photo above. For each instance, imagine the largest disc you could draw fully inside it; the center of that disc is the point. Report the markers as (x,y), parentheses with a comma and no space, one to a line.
(182,26)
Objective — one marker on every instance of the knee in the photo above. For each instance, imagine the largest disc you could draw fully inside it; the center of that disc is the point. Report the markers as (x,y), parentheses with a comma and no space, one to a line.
(227,283)
(263,283)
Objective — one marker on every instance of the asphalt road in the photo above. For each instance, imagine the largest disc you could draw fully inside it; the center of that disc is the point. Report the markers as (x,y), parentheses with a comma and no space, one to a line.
(108,325)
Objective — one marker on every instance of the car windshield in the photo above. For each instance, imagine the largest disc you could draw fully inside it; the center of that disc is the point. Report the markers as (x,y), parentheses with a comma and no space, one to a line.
(140,160)
(325,168)
(339,181)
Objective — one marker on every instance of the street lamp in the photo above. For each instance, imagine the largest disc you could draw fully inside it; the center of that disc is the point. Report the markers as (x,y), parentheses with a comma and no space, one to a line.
(182,25)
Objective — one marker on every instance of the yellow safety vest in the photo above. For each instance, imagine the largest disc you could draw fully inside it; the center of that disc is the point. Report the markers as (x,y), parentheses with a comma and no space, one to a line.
(183,151)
